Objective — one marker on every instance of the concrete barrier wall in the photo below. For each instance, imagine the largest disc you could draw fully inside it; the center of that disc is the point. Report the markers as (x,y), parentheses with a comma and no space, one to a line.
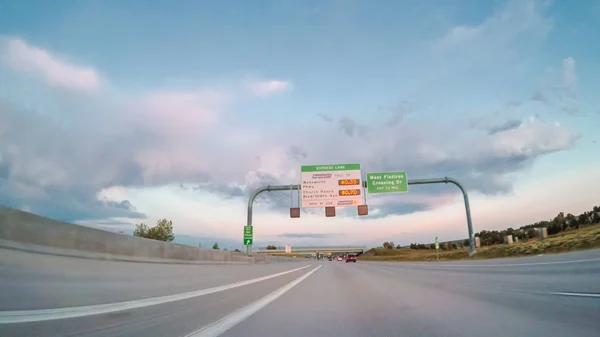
(30,232)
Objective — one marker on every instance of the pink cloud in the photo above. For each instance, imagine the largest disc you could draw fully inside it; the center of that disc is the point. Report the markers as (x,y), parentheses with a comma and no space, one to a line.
(56,72)
(179,124)
(181,113)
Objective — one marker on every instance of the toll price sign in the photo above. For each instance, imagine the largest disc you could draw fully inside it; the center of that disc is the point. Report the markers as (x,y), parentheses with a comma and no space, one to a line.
(331,185)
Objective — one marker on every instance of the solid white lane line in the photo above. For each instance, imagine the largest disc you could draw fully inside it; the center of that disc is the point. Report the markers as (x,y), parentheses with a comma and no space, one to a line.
(576,294)
(24,316)
(228,322)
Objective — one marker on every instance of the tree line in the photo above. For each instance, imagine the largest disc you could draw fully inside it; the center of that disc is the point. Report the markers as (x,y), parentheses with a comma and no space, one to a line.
(163,231)
(559,223)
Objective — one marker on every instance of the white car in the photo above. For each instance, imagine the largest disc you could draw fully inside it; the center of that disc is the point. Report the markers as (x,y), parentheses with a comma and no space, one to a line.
(339,258)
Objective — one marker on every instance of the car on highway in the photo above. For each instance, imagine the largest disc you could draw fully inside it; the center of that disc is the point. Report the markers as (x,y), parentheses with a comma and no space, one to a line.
(330,258)
(339,258)
(350,258)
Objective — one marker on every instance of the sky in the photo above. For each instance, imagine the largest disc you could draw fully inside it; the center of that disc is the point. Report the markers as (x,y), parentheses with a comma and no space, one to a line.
(114,113)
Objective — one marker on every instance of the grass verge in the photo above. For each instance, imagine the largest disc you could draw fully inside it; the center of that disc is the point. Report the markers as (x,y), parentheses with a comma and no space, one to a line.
(579,239)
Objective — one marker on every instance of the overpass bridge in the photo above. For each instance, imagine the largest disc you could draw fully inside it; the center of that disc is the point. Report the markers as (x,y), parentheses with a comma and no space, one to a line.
(313,249)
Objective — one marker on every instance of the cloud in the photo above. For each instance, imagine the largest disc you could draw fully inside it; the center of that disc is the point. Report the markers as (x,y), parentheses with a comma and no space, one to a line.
(296,153)
(56,155)
(57,162)
(399,112)
(563,91)
(419,199)
(493,127)
(222,190)
(35,61)
(423,150)
(123,204)
(270,87)
(511,24)
(58,172)
(507,125)
(325,118)
(180,111)
(426,151)
(276,200)
(541,95)
(72,157)
(351,127)
(63,204)
(572,110)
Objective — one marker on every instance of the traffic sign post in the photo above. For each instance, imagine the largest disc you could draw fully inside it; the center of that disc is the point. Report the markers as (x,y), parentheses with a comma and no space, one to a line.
(248,237)
(387,182)
(331,186)
(437,248)
(256,193)
(447,180)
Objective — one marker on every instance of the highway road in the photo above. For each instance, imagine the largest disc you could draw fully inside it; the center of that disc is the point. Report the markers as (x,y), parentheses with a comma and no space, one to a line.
(552,295)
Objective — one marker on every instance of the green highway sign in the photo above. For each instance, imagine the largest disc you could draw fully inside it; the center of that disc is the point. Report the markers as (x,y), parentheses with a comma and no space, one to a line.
(387,182)
(248,231)
(326,168)
(437,244)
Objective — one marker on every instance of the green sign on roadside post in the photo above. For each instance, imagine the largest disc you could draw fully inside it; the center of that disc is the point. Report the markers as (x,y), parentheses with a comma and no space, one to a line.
(437,244)
(248,235)
(437,249)
(387,182)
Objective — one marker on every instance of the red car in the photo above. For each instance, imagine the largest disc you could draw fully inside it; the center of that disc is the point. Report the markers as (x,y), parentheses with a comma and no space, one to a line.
(350,258)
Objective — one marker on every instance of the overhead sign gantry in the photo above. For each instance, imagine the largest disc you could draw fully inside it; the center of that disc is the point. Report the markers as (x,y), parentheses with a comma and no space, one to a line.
(341,185)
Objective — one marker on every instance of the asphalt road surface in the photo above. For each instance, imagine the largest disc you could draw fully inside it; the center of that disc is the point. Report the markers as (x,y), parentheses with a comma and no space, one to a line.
(553,295)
